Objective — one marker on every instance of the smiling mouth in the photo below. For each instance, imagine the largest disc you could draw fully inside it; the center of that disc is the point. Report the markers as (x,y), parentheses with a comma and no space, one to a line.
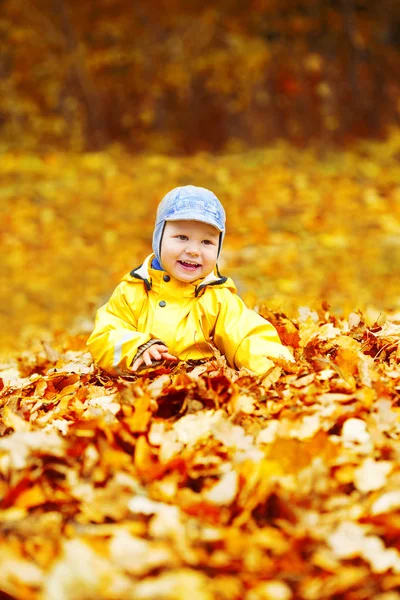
(189,265)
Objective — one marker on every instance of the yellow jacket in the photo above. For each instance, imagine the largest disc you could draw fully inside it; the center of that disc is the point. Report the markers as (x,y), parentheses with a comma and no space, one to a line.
(187,317)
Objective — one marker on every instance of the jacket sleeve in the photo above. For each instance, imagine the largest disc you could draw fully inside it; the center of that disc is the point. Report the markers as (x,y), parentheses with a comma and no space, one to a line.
(115,340)
(245,337)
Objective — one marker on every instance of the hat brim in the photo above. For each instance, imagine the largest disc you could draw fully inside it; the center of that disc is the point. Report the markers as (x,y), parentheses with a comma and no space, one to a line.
(195,217)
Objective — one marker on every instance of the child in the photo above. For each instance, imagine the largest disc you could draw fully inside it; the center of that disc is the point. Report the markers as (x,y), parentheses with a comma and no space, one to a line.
(177,305)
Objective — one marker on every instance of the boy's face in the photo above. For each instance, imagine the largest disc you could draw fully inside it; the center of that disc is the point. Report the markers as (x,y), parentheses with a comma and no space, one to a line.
(189,249)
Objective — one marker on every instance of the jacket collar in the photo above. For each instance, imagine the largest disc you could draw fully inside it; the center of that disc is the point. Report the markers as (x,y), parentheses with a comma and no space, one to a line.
(143,273)
(214,278)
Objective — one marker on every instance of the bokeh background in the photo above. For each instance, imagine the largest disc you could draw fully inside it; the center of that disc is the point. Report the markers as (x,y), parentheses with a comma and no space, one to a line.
(288,110)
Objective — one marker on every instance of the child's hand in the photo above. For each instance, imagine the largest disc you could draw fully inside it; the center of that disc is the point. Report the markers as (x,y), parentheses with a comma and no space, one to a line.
(155,352)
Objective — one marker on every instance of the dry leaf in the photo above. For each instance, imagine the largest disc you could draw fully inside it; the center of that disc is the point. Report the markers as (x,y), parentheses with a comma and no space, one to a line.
(372,475)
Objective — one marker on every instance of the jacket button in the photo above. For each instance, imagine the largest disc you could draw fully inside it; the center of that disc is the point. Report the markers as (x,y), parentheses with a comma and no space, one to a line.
(162,303)
(166,277)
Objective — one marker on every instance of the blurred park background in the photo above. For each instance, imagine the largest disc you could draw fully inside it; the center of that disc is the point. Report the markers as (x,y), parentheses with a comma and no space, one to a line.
(288,110)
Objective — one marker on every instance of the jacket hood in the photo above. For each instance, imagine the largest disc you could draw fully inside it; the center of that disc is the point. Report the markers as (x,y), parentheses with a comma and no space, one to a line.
(146,274)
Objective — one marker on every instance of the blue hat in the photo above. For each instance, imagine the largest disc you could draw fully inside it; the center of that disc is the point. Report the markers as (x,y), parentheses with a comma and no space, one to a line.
(188,203)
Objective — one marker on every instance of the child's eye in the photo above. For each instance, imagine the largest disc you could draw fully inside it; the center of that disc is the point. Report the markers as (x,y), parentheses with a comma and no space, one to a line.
(182,237)
(208,242)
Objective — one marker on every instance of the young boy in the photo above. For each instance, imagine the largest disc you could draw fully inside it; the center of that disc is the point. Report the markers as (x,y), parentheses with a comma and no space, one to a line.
(177,305)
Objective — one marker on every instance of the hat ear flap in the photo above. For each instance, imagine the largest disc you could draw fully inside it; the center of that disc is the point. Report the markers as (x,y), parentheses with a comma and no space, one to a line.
(157,239)
(220,243)
(160,242)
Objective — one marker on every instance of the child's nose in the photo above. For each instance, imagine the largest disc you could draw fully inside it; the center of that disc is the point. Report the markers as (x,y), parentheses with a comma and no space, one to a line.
(193,250)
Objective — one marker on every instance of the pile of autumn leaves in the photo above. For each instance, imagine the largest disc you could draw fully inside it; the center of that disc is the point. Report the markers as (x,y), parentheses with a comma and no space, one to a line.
(205,480)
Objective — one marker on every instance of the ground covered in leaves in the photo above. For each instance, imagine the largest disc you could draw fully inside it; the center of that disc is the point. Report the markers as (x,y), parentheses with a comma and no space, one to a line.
(200,480)
(205,481)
